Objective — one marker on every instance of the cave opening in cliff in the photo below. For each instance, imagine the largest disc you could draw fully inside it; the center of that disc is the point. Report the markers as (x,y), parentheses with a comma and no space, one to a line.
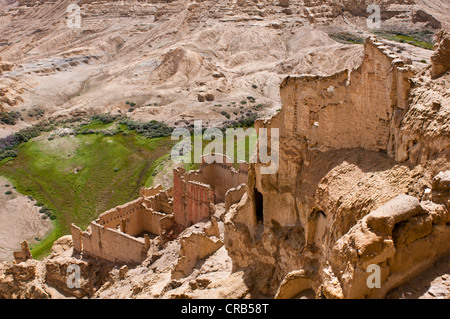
(259,206)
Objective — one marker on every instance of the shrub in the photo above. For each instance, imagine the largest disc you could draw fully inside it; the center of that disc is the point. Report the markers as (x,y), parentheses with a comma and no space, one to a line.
(6,154)
(225,114)
(345,37)
(244,121)
(105,118)
(44,209)
(148,129)
(9,118)
(36,112)
(8,192)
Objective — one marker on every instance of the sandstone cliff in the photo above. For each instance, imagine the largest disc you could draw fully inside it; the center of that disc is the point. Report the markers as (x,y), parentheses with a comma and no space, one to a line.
(362,180)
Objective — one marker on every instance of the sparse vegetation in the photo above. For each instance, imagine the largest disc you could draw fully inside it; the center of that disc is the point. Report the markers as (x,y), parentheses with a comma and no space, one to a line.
(346,38)
(246,120)
(36,112)
(226,114)
(419,38)
(9,118)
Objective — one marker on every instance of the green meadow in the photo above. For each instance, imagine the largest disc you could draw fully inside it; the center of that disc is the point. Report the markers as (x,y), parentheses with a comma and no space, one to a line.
(79,177)
(243,144)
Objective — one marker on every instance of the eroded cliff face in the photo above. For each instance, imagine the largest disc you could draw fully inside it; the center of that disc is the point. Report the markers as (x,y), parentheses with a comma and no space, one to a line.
(361,181)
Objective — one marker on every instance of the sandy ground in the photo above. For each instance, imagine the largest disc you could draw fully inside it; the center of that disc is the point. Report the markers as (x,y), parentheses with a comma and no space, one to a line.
(19,220)
(432,284)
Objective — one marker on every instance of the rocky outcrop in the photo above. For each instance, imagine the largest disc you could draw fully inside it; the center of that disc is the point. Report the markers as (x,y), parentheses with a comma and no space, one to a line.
(423,16)
(440,60)
(24,254)
(358,184)
(196,246)
(400,237)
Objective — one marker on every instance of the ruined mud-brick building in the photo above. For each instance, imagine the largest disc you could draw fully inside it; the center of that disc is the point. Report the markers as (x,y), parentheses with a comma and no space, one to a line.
(124,233)
(363,180)
(196,192)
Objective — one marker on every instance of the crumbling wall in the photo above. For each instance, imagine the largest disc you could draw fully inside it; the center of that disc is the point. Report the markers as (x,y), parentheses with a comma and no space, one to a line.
(196,246)
(113,235)
(113,245)
(149,192)
(160,202)
(349,109)
(151,221)
(221,175)
(234,195)
(125,216)
(196,192)
(192,199)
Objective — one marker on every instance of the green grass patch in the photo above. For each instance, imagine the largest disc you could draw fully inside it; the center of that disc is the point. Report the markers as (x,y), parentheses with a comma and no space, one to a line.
(97,125)
(79,181)
(244,146)
(419,38)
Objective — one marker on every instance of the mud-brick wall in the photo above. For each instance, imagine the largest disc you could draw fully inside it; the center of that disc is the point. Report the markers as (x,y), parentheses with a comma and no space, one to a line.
(148,192)
(179,188)
(234,195)
(113,245)
(162,202)
(221,177)
(199,198)
(348,110)
(129,212)
(151,221)
(193,192)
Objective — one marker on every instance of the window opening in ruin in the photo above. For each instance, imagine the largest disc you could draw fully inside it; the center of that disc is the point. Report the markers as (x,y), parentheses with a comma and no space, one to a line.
(259,206)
